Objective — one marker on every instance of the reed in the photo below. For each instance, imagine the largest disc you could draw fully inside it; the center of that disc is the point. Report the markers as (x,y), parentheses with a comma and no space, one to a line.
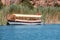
(3,20)
(51,14)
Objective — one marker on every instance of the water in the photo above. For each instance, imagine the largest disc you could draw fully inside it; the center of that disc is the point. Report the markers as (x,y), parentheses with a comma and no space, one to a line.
(30,32)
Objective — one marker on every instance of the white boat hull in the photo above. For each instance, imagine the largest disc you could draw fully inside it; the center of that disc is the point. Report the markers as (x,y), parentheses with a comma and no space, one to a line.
(24,23)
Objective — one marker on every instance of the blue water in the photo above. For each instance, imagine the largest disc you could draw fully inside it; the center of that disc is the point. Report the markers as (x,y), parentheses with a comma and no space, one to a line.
(30,32)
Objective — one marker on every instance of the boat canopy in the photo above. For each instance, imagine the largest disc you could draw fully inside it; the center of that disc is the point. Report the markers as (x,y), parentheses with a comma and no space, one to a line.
(24,15)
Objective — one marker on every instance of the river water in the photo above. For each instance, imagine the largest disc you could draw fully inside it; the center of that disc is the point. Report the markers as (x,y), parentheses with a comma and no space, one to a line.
(30,32)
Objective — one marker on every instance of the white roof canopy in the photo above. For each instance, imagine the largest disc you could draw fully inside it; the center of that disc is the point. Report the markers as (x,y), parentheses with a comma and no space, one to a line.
(24,15)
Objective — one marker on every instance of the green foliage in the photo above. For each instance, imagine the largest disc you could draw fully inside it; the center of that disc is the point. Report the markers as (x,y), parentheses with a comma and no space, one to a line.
(1,5)
(13,8)
(19,9)
(27,3)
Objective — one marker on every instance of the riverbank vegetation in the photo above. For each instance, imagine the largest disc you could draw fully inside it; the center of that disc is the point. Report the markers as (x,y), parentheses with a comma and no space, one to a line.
(50,15)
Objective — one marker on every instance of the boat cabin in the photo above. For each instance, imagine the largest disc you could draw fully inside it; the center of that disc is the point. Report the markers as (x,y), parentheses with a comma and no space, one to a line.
(24,19)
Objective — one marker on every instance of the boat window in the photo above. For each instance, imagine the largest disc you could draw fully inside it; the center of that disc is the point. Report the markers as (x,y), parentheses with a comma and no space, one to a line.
(27,18)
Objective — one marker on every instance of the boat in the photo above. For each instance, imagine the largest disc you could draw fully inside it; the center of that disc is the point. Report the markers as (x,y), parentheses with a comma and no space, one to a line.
(24,19)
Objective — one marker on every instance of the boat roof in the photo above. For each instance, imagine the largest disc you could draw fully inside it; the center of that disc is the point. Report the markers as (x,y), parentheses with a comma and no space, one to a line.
(24,15)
